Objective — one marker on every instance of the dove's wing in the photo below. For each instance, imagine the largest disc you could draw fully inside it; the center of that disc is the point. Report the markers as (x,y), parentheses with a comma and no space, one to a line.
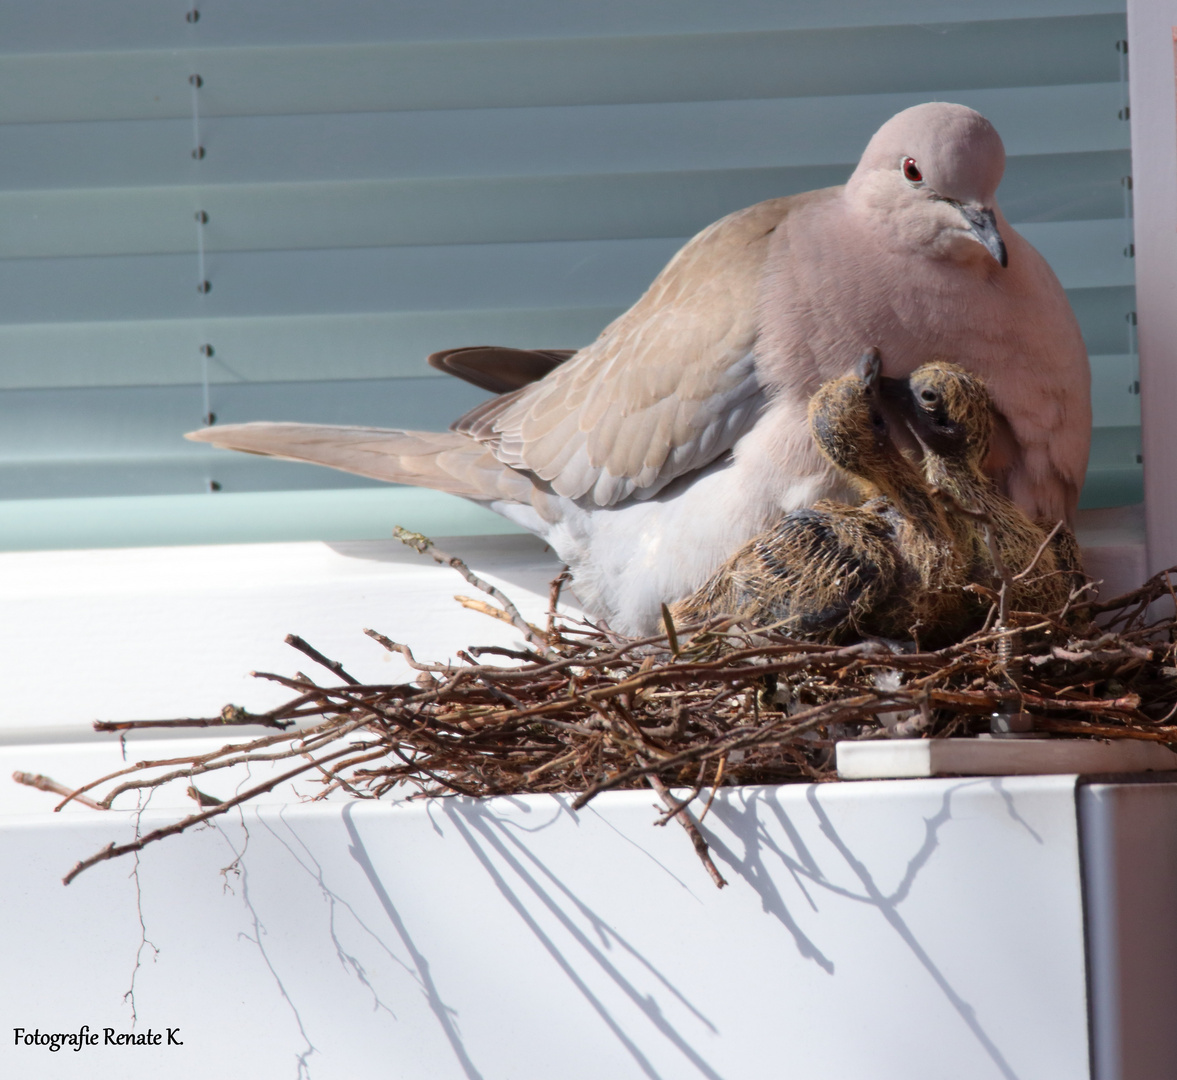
(667,387)
(441,460)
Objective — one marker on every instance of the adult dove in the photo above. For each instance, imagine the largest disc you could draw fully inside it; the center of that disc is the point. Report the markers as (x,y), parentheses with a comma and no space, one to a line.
(651,455)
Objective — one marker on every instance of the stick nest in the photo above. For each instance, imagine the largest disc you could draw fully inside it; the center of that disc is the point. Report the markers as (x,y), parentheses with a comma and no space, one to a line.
(576,709)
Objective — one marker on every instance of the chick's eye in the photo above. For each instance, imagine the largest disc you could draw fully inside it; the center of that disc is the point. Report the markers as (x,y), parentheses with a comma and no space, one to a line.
(912,171)
(930,396)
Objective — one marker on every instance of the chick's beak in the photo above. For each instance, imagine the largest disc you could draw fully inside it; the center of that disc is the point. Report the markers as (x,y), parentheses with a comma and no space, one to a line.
(895,392)
(869,366)
(983,226)
(898,406)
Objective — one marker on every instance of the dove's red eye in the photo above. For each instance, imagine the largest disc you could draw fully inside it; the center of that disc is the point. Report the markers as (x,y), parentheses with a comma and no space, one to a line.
(912,171)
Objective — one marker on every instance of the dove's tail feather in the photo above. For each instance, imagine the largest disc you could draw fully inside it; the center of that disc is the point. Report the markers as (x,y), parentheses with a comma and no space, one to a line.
(445,461)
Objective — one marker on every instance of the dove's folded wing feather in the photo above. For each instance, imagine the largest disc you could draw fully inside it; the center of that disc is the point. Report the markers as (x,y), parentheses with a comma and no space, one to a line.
(498,368)
(666,388)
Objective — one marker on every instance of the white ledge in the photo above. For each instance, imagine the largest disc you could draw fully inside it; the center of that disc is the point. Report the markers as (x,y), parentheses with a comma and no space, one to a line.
(905,758)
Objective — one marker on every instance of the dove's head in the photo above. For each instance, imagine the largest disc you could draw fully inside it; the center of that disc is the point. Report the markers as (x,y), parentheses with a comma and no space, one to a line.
(930,176)
(948,410)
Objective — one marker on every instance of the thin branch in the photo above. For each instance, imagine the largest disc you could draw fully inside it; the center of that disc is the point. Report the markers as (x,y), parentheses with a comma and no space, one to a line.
(425,546)
(45,783)
(331,665)
(692,830)
(113,850)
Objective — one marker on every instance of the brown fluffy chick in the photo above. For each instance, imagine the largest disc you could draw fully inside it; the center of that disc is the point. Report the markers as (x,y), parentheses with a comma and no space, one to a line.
(887,568)
(950,413)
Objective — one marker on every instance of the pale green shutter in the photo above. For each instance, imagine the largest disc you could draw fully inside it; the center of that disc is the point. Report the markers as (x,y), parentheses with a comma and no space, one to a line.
(361,184)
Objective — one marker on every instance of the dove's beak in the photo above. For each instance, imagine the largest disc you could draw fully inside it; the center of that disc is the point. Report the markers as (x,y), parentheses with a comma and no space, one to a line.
(983,226)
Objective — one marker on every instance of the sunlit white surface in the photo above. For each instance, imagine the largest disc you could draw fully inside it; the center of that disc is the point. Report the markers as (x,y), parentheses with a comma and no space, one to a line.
(151,633)
(907,930)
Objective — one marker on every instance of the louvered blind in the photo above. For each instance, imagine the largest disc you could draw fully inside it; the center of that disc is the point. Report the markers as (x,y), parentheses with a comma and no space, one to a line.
(275,210)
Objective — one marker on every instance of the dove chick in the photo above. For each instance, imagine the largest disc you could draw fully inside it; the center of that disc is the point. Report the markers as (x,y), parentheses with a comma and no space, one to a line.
(887,568)
(950,413)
